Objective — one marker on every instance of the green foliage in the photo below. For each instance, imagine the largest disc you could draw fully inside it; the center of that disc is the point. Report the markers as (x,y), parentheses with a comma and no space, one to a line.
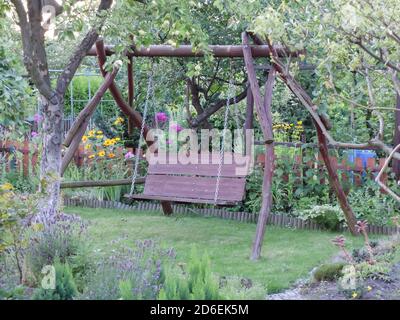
(379,270)
(16,293)
(20,182)
(327,216)
(16,98)
(238,288)
(84,87)
(62,238)
(197,283)
(126,290)
(328,272)
(14,210)
(371,204)
(129,273)
(65,288)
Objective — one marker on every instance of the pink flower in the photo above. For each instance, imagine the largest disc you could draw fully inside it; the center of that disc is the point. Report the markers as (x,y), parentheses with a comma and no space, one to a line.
(37,118)
(177,127)
(129,155)
(168,141)
(34,134)
(161,117)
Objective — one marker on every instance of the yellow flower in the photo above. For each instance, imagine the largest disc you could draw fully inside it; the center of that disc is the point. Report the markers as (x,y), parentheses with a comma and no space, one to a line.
(101,153)
(369,288)
(6,186)
(111,155)
(117,139)
(88,146)
(99,132)
(91,133)
(300,122)
(354,295)
(118,121)
(84,139)
(109,142)
(100,136)
(91,156)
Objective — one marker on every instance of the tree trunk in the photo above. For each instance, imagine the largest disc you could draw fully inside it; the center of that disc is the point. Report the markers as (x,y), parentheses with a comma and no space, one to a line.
(396,138)
(51,156)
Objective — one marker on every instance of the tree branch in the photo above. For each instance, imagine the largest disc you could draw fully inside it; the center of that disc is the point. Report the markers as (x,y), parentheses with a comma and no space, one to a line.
(374,55)
(81,50)
(216,106)
(33,45)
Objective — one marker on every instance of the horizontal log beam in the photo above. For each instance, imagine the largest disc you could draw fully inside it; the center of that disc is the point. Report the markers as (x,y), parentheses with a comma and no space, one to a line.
(229,51)
(314,145)
(103,183)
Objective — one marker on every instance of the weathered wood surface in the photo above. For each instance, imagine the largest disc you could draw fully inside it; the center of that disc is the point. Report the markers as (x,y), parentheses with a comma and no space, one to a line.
(231,189)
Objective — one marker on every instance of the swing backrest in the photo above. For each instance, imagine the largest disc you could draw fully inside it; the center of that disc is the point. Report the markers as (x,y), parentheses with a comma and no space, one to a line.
(196,182)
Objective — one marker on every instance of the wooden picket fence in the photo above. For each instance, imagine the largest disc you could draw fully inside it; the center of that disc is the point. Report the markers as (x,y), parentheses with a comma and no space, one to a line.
(19,156)
(342,166)
(280,220)
(23,156)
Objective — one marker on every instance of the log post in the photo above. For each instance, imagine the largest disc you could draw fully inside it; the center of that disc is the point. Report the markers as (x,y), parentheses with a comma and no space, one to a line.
(335,183)
(131,93)
(25,157)
(263,109)
(322,124)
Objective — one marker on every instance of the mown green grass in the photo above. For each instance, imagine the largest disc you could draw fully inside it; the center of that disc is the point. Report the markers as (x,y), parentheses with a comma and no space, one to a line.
(287,254)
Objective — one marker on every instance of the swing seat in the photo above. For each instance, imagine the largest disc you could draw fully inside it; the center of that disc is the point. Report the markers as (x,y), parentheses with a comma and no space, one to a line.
(196,183)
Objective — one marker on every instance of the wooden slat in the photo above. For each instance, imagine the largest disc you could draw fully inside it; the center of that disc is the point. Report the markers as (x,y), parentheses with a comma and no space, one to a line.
(230,189)
(180,199)
(203,166)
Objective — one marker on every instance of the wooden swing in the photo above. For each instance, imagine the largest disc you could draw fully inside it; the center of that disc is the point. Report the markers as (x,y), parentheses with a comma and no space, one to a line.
(196,183)
(208,179)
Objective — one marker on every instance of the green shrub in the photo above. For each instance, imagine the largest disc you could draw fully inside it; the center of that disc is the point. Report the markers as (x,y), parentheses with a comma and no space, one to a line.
(327,216)
(237,288)
(328,272)
(65,288)
(15,293)
(377,271)
(130,274)
(61,238)
(372,205)
(197,284)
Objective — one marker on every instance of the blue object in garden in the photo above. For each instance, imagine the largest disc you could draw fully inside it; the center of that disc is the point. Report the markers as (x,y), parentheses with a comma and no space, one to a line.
(364,155)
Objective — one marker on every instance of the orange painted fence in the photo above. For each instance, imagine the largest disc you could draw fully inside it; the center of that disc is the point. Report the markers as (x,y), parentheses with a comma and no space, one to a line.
(346,170)
(22,154)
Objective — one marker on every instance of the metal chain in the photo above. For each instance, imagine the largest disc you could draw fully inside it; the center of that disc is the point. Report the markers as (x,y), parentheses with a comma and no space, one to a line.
(150,90)
(221,150)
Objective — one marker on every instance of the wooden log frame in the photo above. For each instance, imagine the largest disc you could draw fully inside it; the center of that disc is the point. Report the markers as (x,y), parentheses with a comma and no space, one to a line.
(263,108)
(378,178)
(75,134)
(322,125)
(131,93)
(219,51)
(103,183)
(132,115)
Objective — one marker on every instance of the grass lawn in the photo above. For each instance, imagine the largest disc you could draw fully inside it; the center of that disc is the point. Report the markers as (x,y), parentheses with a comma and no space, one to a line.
(287,254)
